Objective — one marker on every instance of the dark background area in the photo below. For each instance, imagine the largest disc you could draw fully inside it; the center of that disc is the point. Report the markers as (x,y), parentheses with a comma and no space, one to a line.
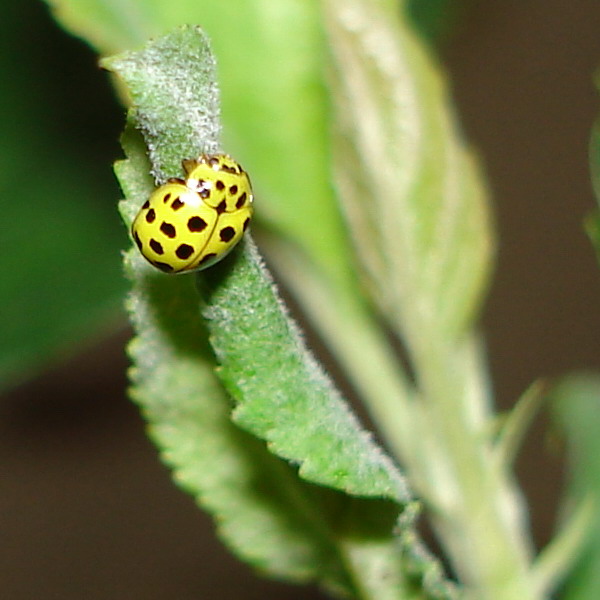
(87,511)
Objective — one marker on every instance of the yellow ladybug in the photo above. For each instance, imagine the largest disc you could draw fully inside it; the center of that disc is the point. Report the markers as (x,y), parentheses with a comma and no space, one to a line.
(190,224)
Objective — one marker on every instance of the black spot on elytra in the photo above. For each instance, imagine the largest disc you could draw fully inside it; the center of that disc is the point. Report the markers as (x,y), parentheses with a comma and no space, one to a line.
(150,216)
(137,240)
(168,230)
(166,197)
(146,204)
(184,251)
(176,204)
(220,185)
(196,224)
(241,200)
(233,190)
(156,246)
(246,222)
(226,234)
(162,266)
(207,257)
(222,206)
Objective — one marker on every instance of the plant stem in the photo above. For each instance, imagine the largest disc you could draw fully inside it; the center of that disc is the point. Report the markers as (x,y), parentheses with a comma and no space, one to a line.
(478,512)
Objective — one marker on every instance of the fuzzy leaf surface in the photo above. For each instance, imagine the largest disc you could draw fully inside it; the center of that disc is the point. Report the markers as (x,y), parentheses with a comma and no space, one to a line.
(284,396)
(264,513)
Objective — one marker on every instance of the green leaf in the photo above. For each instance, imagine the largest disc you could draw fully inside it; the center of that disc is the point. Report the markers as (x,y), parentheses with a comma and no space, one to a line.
(592,228)
(436,19)
(410,187)
(577,410)
(263,512)
(284,397)
(592,223)
(557,558)
(61,237)
(595,157)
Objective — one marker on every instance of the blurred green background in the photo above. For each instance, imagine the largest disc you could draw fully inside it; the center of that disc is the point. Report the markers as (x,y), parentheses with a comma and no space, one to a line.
(86,509)
(60,238)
